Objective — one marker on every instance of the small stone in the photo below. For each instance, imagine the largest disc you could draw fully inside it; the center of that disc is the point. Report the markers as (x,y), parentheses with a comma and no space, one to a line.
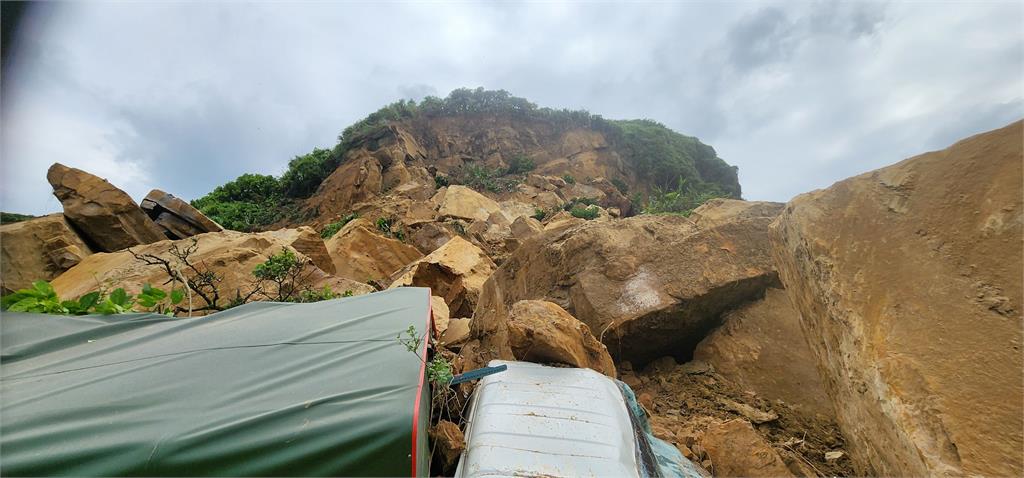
(833,455)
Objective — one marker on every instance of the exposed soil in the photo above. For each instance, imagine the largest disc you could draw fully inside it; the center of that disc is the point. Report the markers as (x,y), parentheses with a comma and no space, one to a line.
(683,400)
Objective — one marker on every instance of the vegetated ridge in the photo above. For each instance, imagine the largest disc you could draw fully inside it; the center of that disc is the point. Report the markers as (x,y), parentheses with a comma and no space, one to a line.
(487,140)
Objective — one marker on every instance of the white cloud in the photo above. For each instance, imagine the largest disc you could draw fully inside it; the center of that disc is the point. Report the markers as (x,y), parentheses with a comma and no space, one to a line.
(185,96)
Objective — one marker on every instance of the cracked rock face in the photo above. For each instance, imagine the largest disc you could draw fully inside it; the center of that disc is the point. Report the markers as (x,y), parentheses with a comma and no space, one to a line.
(647,286)
(908,280)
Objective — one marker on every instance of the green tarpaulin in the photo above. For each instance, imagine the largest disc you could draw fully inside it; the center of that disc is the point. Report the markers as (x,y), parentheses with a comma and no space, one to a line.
(319,389)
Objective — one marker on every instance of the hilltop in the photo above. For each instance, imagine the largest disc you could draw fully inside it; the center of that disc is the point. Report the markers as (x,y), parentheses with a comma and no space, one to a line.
(488,140)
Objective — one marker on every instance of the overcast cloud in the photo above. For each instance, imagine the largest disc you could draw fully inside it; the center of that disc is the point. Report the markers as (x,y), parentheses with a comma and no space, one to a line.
(186,96)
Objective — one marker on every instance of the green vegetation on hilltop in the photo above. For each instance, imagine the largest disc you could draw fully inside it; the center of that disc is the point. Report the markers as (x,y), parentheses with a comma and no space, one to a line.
(245,204)
(661,157)
(9,217)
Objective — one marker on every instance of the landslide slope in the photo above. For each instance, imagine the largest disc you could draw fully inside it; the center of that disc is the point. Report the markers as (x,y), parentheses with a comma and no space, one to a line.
(488,140)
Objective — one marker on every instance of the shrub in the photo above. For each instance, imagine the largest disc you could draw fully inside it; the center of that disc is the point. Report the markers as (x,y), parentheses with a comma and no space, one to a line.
(569,179)
(483,178)
(305,173)
(585,212)
(682,201)
(569,206)
(441,181)
(9,217)
(387,226)
(520,164)
(539,214)
(245,204)
(331,229)
(287,274)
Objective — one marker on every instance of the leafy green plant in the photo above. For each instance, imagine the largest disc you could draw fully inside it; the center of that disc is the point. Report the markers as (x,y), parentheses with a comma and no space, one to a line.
(539,214)
(682,201)
(306,172)
(441,181)
(585,212)
(331,229)
(159,301)
(569,179)
(9,217)
(287,274)
(520,164)
(42,298)
(439,370)
(387,226)
(483,178)
(39,298)
(249,202)
(577,201)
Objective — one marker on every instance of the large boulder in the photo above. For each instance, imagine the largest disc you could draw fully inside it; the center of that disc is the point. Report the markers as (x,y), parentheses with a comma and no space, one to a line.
(737,450)
(230,255)
(648,286)
(456,271)
(177,218)
(908,279)
(462,202)
(761,347)
(38,249)
(107,216)
(543,332)
(360,253)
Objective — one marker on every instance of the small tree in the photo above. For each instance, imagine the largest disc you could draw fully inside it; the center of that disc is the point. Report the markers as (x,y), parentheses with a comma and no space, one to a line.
(288,275)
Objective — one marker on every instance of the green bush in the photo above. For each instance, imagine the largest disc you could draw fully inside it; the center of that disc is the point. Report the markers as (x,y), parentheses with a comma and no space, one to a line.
(245,204)
(331,229)
(569,206)
(483,178)
(584,212)
(520,164)
(9,217)
(569,179)
(305,173)
(683,200)
(539,214)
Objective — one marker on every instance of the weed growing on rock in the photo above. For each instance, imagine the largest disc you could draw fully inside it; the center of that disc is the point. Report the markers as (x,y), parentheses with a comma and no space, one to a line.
(331,229)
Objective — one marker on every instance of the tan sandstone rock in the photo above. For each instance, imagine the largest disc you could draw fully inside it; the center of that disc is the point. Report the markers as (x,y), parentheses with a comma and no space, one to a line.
(177,218)
(761,347)
(360,253)
(307,241)
(107,217)
(737,450)
(455,271)
(464,203)
(229,254)
(441,315)
(908,279)
(648,286)
(543,332)
(449,441)
(38,249)
(457,332)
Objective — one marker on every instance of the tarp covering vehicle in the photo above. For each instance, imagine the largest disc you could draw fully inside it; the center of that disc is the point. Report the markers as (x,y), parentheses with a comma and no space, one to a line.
(320,389)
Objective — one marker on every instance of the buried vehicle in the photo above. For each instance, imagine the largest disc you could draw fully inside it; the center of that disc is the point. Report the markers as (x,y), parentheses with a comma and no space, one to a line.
(535,420)
(263,389)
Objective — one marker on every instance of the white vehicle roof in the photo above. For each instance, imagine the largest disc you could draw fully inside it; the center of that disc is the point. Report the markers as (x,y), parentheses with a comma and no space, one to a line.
(533,420)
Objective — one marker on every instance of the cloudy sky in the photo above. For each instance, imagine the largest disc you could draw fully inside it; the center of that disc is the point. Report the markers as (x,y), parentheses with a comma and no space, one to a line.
(186,96)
